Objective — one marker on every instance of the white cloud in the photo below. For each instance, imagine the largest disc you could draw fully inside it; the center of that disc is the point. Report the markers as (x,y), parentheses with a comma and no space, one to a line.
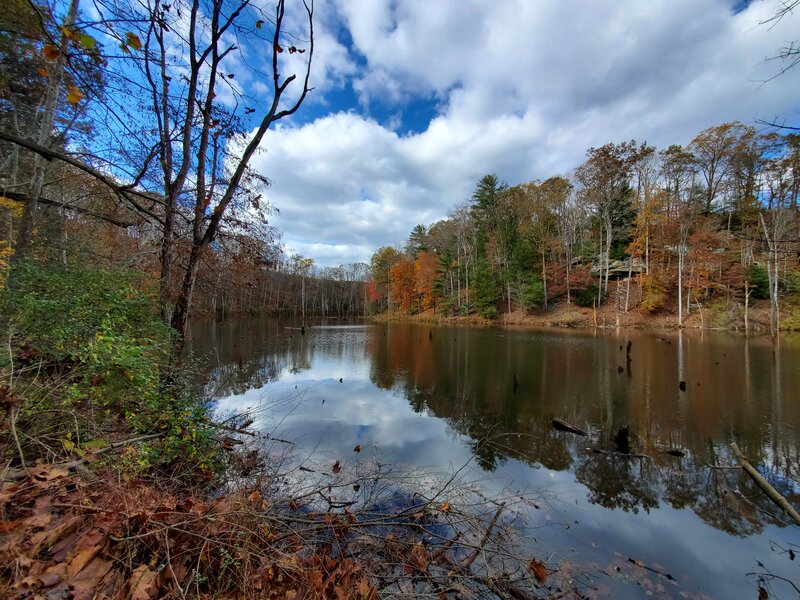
(523,90)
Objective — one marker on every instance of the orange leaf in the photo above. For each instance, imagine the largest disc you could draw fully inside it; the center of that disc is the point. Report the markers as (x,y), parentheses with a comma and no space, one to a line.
(80,560)
(144,583)
(445,507)
(51,52)
(42,72)
(74,95)
(538,569)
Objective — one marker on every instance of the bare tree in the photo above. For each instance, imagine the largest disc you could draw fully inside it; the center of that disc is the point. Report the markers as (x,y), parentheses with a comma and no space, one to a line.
(178,129)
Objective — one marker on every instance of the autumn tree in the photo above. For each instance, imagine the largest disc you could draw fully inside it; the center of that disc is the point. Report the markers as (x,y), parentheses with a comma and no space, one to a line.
(605,185)
(403,284)
(715,152)
(381,264)
(179,149)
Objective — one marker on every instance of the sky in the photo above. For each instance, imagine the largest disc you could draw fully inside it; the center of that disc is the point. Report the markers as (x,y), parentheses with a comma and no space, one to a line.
(415,100)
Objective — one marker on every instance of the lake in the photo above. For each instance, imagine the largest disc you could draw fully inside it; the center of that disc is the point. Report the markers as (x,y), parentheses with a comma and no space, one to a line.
(667,521)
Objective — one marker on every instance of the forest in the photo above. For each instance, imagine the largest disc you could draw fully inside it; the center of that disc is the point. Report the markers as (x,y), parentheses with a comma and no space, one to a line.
(130,205)
(711,224)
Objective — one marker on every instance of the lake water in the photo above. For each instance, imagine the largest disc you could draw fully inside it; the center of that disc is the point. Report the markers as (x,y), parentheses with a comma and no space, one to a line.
(443,398)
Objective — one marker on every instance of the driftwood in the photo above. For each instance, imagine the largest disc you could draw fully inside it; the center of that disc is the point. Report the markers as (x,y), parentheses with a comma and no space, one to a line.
(560,425)
(773,494)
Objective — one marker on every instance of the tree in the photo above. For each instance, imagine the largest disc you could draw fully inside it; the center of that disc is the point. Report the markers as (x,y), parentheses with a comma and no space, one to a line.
(605,185)
(403,284)
(43,54)
(179,149)
(789,55)
(418,241)
(381,264)
(714,151)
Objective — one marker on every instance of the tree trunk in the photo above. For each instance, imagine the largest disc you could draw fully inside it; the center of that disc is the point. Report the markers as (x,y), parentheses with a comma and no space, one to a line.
(54,84)
(181,314)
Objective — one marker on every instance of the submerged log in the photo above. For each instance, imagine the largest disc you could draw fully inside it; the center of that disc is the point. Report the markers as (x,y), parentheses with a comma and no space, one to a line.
(560,425)
(773,494)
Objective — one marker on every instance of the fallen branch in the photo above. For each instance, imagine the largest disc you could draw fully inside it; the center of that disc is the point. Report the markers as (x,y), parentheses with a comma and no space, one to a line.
(560,425)
(468,560)
(773,494)
(17,474)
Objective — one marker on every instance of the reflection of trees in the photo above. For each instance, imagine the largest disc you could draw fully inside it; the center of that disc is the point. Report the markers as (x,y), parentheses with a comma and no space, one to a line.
(466,377)
(237,378)
(616,481)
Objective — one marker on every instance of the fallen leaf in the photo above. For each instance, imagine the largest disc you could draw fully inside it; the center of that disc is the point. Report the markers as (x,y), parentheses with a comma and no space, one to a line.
(42,72)
(445,507)
(144,583)
(538,569)
(81,559)
(38,520)
(88,580)
(6,526)
(259,24)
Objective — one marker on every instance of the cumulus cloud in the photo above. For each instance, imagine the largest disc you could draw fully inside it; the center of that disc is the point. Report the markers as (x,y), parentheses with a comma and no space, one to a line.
(521,89)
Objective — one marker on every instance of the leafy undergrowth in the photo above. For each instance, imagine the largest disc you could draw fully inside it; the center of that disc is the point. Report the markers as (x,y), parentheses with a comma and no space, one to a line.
(97,535)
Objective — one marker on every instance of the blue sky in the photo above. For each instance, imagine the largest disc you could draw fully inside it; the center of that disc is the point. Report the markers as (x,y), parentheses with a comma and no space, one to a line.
(415,100)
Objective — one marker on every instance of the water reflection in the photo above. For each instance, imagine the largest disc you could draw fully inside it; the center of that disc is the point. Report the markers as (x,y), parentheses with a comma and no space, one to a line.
(435,395)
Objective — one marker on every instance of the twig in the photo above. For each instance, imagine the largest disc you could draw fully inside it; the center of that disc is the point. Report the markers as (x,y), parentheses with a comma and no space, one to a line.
(16,437)
(468,560)
(232,429)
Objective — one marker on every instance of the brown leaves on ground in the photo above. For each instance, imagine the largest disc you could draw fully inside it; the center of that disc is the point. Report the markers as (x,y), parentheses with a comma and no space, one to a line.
(64,537)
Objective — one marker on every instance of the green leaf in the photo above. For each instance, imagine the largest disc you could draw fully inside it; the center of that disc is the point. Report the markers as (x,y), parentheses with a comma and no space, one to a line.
(87,41)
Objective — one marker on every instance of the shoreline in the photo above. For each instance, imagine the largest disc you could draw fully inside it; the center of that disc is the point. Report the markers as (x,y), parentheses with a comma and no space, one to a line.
(564,316)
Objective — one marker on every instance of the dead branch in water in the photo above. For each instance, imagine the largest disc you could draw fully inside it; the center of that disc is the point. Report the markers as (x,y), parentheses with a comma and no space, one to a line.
(773,494)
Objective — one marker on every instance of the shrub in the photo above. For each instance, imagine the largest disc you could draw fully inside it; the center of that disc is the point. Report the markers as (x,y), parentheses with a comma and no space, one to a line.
(532,293)
(654,294)
(586,296)
(759,280)
(97,335)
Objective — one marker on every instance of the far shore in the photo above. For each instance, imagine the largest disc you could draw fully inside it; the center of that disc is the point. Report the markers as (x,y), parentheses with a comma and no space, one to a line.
(571,316)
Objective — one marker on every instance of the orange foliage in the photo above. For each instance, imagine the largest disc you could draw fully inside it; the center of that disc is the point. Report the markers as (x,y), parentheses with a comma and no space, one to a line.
(425,268)
(402,282)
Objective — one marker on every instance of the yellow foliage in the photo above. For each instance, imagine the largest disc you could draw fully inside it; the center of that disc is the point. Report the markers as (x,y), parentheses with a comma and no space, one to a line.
(13,207)
(6,252)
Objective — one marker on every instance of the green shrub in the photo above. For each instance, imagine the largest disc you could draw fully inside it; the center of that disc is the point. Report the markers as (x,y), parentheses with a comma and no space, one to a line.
(586,296)
(532,293)
(759,280)
(98,334)
(726,314)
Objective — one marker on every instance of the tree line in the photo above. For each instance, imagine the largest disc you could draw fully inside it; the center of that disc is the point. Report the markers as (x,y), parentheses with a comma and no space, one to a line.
(710,223)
